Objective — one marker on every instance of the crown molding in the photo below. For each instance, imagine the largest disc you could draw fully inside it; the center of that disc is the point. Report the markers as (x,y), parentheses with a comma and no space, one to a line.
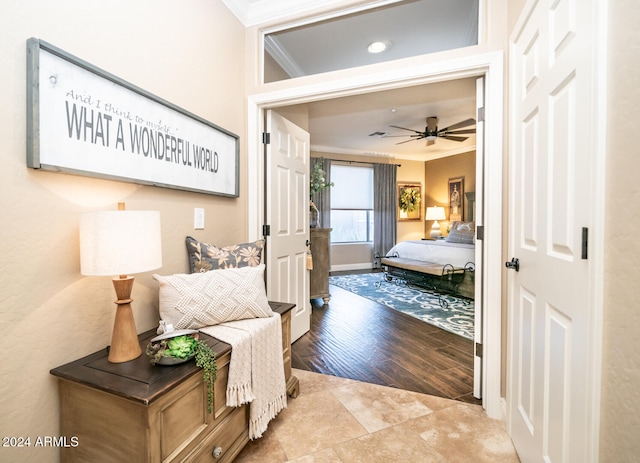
(280,55)
(255,12)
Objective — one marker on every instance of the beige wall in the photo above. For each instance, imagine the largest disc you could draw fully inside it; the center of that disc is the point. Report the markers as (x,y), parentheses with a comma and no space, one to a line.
(412,172)
(272,70)
(620,419)
(437,175)
(192,56)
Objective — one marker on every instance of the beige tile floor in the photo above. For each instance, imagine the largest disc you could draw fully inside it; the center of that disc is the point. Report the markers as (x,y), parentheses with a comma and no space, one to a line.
(343,421)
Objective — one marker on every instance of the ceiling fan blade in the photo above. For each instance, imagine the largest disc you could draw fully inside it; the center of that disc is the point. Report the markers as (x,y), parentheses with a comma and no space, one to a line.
(456,132)
(404,128)
(459,125)
(447,137)
(412,139)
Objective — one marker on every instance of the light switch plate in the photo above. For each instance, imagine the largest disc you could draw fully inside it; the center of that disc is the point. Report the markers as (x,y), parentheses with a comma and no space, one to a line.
(198,218)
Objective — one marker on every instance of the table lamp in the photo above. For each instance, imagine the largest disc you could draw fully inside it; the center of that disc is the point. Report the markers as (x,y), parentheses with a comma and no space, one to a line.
(121,243)
(435,213)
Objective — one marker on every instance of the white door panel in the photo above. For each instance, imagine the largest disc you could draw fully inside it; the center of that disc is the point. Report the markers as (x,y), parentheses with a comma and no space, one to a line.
(287,198)
(552,111)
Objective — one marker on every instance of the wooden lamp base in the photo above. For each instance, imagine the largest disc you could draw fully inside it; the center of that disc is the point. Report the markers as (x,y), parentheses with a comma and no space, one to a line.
(124,340)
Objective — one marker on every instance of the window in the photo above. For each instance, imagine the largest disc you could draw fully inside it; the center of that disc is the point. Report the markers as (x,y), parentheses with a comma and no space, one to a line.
(351,204)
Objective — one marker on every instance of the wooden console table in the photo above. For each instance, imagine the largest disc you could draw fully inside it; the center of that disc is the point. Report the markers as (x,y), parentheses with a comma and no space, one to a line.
(133,411)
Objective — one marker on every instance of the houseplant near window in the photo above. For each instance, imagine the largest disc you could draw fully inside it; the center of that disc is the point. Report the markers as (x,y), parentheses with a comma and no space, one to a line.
(317,183)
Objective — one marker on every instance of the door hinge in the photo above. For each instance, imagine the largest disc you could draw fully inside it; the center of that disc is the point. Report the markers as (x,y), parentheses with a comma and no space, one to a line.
(266,230)
(478,350)
(585,243)
(266,138)
(480,115)
(480,232)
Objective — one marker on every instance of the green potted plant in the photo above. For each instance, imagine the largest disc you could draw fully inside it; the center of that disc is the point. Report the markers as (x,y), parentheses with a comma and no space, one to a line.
(179,346)
(317,183)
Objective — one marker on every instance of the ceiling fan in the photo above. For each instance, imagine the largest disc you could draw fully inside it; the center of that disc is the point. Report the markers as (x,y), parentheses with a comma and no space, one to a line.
(431,131)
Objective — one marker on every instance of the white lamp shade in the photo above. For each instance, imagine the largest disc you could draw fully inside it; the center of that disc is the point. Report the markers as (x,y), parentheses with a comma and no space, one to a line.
(435,213)
(120,242)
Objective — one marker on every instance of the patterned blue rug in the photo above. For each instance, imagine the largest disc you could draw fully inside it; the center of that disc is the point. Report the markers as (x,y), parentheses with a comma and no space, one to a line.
(457,317)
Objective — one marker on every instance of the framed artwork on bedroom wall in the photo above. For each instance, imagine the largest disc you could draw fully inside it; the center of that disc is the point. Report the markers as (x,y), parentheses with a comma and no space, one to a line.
(409,201)
(456,199)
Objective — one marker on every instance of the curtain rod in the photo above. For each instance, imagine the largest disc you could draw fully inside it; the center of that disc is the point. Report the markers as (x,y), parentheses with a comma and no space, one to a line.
(361,162)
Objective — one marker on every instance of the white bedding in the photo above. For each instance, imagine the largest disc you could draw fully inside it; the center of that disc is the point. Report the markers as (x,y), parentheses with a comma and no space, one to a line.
(437,252)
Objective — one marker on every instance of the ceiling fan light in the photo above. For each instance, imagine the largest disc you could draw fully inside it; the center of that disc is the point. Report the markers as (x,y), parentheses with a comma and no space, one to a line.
(377,47)
(430,137)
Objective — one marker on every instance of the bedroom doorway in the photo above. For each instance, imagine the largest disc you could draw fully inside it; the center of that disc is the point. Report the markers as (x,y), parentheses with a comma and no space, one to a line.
(488,65)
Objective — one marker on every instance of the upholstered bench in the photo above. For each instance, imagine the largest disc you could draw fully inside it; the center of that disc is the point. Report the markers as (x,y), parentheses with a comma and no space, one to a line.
(437,278)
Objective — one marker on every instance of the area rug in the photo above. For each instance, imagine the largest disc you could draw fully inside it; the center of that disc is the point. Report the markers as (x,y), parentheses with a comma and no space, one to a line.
(457,317)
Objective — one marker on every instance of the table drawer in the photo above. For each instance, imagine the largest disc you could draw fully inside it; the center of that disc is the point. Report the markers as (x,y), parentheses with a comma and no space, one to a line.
(225,441)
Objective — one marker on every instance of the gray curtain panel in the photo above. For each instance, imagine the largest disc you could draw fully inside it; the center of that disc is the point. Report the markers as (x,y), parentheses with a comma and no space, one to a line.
(384,207)
(322,200)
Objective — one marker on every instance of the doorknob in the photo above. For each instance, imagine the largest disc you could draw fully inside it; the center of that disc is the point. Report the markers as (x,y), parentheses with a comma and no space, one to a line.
(514,264)
(308,243)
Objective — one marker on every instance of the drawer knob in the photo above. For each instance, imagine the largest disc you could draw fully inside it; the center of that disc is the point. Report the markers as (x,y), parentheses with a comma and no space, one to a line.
(216,452)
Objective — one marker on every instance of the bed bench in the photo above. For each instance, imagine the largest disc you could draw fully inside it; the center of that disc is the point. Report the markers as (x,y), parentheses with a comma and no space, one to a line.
(436,278)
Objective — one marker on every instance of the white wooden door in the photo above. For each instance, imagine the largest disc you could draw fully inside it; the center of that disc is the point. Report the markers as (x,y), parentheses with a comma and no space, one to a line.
(478,216)
(553,113)
(287,214)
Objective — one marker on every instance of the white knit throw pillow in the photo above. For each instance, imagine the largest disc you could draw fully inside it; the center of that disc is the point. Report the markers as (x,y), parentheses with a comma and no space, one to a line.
(191,301)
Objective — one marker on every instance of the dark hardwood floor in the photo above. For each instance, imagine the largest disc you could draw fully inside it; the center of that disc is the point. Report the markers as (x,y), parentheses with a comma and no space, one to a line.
(356,338)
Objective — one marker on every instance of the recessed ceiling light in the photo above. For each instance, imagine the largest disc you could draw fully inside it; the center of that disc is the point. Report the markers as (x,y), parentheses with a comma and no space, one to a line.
(377,47)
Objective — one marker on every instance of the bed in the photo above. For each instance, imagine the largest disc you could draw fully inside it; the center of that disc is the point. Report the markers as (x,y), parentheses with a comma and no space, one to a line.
(443,266)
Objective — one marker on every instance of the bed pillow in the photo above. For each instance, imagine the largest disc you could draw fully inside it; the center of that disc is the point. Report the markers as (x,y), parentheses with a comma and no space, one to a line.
(191,301)
(204,256)
(462,232)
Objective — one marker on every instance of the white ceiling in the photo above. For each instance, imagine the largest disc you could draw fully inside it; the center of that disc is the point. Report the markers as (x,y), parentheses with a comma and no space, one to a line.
(344,125)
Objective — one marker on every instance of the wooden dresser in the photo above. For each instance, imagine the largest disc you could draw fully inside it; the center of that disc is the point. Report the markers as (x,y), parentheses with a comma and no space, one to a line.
(320,250)
(133,411)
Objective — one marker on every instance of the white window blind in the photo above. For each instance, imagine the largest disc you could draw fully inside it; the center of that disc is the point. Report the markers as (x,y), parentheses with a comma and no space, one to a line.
(353,187)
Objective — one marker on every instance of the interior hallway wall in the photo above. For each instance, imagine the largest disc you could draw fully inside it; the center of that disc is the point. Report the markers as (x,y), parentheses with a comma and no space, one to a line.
(620,418)
(437,175)
(191,54)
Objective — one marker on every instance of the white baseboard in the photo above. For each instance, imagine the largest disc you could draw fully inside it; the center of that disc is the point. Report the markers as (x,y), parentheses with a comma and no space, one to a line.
(503,410)
(344,267)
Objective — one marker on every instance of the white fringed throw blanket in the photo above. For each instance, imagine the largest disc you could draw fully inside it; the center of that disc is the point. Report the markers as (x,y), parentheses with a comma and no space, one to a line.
(256,369)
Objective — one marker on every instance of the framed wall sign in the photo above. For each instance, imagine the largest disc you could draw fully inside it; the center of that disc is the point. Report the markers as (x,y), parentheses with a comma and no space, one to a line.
(409,201)
(456,199)
(83,120)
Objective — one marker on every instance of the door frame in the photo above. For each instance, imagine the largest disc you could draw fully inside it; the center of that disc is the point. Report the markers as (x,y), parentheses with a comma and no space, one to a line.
(490,65)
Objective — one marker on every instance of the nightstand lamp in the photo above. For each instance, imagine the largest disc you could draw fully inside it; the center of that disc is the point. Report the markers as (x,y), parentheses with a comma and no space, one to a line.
(435,213)
(121,243)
